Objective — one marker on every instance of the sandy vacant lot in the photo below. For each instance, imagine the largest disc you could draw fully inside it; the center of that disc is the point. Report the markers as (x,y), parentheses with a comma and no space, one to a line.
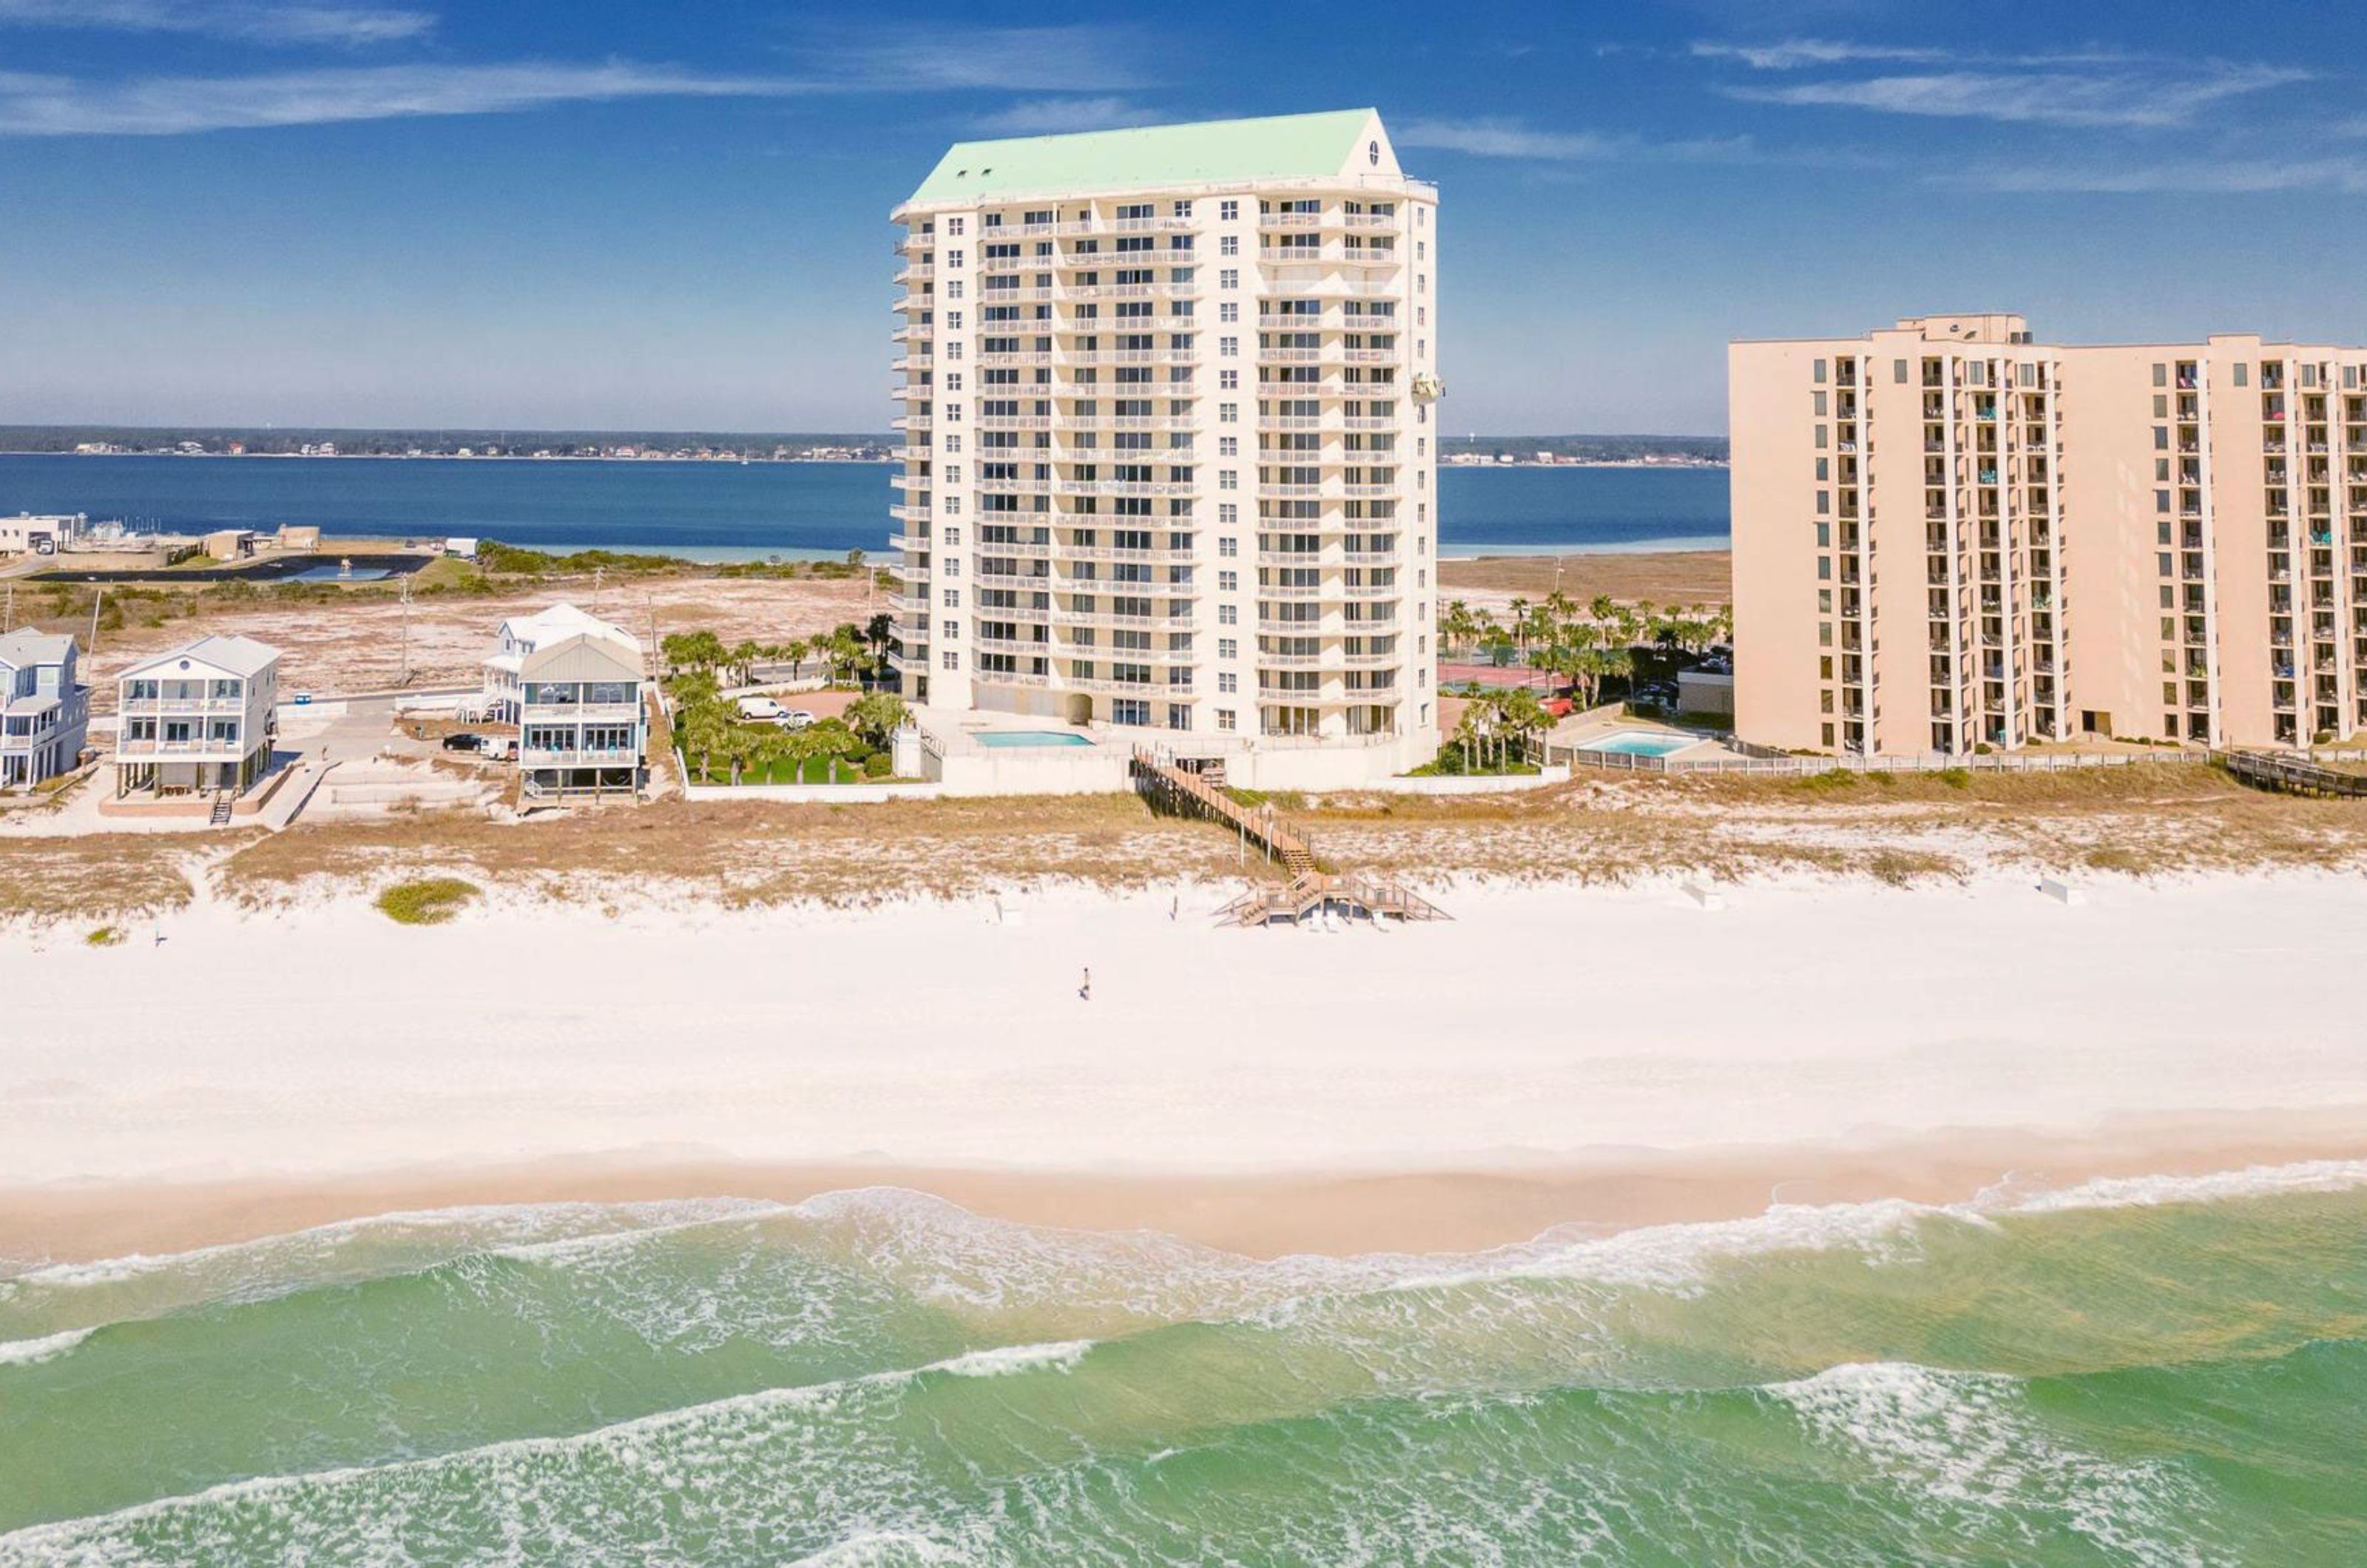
(1673,577)
(352,642)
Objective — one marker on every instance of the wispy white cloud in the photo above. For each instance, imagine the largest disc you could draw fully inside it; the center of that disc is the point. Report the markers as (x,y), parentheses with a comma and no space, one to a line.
(164,106)
(1790,54)
(1082,57)
(2132,99)
(1489,138)
(252,21)
(1045,117)
(2221,177)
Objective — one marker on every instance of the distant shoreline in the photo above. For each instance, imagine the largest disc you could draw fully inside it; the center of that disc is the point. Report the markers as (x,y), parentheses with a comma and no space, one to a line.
(452,458)
(735,461)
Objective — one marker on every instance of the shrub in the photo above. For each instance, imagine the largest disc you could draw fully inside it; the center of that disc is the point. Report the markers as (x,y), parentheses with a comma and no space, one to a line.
(428,901)
(1956,778)
(1981,748)
(106,936)
(878,765)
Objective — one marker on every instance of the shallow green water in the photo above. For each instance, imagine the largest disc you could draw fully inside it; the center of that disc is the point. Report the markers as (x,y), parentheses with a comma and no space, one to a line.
(2170,1371)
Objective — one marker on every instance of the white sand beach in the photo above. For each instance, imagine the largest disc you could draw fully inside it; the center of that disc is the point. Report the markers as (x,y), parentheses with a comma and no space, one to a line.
(1546,1031)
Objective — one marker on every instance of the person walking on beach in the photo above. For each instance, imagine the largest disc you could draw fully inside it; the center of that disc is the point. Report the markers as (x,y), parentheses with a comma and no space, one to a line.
(1086,991)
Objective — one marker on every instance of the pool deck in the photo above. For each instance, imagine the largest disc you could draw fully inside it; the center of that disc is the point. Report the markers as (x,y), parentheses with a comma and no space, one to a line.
(1582,734)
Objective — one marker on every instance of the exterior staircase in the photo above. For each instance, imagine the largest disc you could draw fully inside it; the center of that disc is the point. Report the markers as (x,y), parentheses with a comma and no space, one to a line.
(1312,892)
(2291,776)
(220,817)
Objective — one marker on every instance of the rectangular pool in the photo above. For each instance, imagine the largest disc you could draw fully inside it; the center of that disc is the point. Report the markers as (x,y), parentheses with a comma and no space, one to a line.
(1641,743)
(1001,739)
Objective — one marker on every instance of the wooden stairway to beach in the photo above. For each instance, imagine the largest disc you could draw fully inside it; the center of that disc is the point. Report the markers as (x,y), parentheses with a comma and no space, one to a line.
(2290,776)
(1170,787)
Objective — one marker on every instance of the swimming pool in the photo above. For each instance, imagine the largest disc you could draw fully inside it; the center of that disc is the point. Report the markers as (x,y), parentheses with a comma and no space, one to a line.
(1641,743)
(1001,739)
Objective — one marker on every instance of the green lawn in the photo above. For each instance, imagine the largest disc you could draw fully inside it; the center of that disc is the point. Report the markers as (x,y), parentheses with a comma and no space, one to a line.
(814,771)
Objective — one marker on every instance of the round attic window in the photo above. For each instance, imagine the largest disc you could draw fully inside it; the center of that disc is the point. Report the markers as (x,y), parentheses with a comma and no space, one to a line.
(1373,153)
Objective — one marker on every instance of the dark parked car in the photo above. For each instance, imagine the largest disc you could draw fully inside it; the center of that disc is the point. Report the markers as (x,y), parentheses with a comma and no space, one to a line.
(464,742)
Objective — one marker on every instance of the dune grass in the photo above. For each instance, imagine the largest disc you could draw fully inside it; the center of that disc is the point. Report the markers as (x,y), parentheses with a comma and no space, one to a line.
(428,901)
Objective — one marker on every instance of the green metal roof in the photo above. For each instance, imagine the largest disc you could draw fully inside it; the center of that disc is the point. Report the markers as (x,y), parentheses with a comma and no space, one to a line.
(1276,147)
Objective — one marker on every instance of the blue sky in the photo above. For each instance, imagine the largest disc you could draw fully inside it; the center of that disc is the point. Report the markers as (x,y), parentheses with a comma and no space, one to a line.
(539,214)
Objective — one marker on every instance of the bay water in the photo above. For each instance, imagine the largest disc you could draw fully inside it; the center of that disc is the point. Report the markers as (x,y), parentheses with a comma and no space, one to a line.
(731,511)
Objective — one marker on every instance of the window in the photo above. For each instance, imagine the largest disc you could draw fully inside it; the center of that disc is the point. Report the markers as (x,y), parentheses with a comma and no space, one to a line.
(1178,715)
(1229,245)
(1224,719)
(953,599)
(949,660)
(1229,278)
(1229,212)
(950,630)
(1898,371)
(1228,413)
(1227,514)
(1182,209)
(954,225)
(1228,380)
(1226,546)
(1228,581)
(1230,310)
(1228,446)
(953,258)
(1817,372)
(1229,479)
(1228,683)
(1228,347)
(1228,616)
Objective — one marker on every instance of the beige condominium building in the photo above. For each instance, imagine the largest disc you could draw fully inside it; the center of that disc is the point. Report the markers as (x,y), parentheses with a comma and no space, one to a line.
(1169,462)
(1948,535)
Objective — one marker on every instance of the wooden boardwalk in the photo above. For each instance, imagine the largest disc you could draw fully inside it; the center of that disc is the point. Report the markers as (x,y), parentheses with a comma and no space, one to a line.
(2291,776)
(1311,892)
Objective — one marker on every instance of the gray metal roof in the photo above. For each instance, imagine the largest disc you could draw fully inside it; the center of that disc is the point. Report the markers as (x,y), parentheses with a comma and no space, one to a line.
(25,647)
(231,655)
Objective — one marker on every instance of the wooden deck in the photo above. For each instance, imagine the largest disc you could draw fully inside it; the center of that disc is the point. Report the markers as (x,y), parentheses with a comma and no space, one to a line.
(1312,892)
(2291,776)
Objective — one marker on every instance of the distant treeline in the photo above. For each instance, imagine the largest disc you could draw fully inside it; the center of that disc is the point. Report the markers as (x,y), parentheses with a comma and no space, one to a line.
(1587,448)
(284,440)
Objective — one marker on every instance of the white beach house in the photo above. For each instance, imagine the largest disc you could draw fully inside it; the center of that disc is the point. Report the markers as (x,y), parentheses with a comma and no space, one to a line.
(44,707)
(199,719)
(571,683)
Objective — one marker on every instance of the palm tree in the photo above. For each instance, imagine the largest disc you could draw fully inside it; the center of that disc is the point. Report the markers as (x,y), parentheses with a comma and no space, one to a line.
(1518,613)
(876,717)
(703,728)
(700,650)
(1602,607)
(1522,717)
(1455,625)
(744,658)
(797,650)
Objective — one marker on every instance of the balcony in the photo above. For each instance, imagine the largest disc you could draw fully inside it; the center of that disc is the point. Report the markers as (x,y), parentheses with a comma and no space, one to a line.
(913,421)
(126,748)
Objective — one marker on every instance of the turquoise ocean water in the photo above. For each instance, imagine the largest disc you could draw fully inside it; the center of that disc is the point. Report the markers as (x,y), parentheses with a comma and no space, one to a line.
(728,510)
(2159,1372)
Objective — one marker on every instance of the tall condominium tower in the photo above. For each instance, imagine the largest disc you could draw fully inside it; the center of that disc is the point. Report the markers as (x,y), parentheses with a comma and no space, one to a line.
(1169,461)
(1948,536)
